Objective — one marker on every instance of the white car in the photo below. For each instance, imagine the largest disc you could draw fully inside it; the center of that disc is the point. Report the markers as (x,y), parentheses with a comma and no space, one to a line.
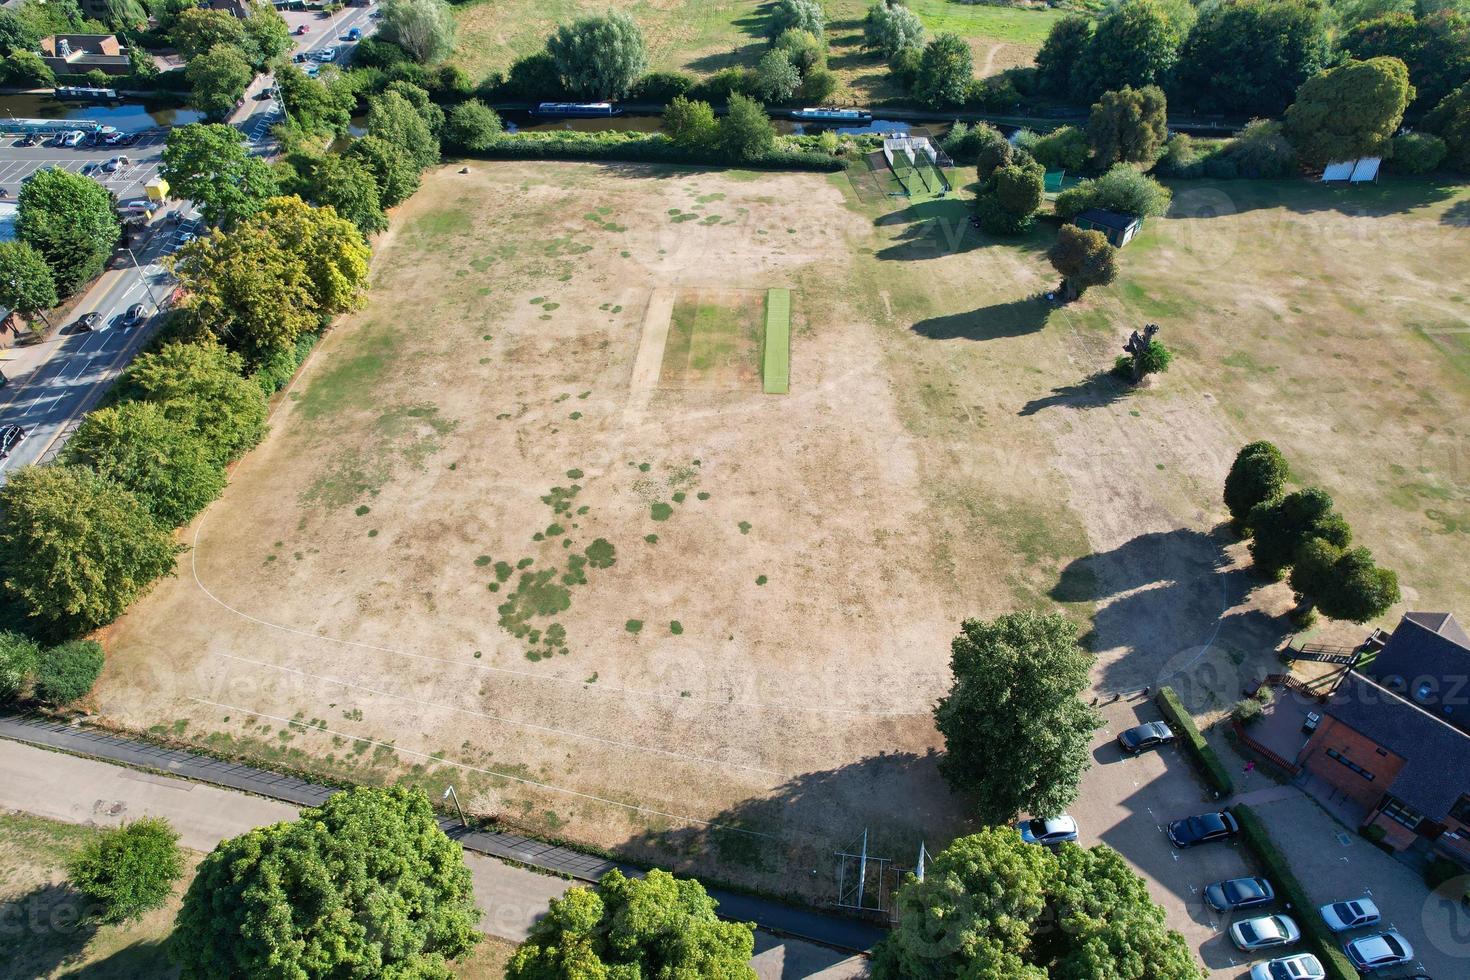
(1302,966)
(73,138)
(1375,952)
(1265,932)
(1055,830)
(1342,916)
(327,54)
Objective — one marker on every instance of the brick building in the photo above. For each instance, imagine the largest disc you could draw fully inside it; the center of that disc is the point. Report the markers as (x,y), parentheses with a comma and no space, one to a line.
(77,54)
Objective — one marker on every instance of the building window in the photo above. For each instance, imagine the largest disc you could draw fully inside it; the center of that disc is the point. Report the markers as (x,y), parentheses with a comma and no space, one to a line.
(1397,812)
(1344,760)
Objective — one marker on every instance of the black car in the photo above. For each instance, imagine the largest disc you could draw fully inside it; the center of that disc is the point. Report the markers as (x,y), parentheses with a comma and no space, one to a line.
(10,437)
(1239,893)
(1144,736)
(89,321)
(1203,828)
(29,139)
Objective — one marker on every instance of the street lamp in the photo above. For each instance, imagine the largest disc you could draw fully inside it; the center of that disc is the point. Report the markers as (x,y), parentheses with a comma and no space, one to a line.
(144,276)
(450,794)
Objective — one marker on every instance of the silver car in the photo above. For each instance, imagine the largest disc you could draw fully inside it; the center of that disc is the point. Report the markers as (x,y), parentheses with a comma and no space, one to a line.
(1265,932)
(1376,952)
(1354,914)
(1302,966)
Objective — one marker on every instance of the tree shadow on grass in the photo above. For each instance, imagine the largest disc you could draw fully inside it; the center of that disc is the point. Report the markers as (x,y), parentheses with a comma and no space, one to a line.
(1095,391)
(1457,215)
(1014,319)
(148,958)
(785,840)
(745,54)
(1391,195)
(44,930)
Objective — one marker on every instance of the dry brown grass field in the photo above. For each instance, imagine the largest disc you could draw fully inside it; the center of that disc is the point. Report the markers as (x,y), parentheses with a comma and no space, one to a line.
(493,541)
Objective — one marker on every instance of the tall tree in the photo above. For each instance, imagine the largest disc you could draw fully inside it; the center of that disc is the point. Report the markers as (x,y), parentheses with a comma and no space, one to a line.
(198,29)
(803,15)
(473,126)
(775,79)
(211,165)
(1350,111)
(690,123)
(200,388)
(1016,696)
(1258,474)
(395,171)
(1244,57)
(70,220)
(945,71)
(1136,44)
(218,79)
(423,28)
(1282,525)
(1124,189)
(137,446)
(746,132)
(1343,583)
(1436,49)
(314,105)
(26,283)
(267,35)
(1451,121)
(346,185)
(656,926)
(364,885)
(1064,50)
(19,656)
(1084,259)
(1010,198)
(1128,126)
(77,549)
(601,56)
(393,119)
(128,870)
(889,29)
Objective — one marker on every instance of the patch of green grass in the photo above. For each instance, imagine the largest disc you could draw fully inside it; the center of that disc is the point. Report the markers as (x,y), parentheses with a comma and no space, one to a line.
(482,561)
(634,626)
(574,474)
(745,527)
(761,580)
(702,495)
(601,553)
(676,627)
(651,538)
(661,511)
(438,224)
(679,497)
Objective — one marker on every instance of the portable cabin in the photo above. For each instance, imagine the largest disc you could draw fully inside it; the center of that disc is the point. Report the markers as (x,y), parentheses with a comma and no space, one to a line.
(1119,229)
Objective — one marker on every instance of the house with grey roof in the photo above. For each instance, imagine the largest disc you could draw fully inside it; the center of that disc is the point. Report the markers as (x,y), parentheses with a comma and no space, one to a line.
(1395,737)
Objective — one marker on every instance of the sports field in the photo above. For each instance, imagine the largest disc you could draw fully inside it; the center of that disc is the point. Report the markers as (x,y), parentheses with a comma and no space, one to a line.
(488,543)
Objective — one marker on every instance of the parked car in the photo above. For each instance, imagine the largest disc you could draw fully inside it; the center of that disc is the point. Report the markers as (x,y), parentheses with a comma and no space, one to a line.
(89,321)
(187,237)
(72,138)
(10,437)
(327,54)
(1145,736)
(29,139)
(311,71)
(115,164)
(300,56)
(1352,914)
(1203,828)
(355,34)
(138,204)
(302,30)
(1302,966)
(1264,932)
(1239,893)
(1055,830)
(1377,951)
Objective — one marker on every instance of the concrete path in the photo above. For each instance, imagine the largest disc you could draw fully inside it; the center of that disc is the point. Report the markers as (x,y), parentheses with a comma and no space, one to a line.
(79,790)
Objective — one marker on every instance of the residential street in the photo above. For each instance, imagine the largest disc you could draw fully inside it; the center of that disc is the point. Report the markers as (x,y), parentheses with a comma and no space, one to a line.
(63,787)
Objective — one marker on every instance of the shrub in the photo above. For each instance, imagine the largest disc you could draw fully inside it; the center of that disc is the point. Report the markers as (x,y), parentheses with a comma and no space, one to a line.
(806,50)
(1288,887)
(128,870)
(472,125)
(818,84)
(944,72)
(1249,710)
(19,656)
(1203,754)
(1450,121)
(794,153)
(1417,153)
(905,65)
(1258,474)
(1262,152)
(661,87)
(723,84)
(66,673)
(746,132)
(1122,189)
(690,124)
(1064,148)
(533,77)
(599,56)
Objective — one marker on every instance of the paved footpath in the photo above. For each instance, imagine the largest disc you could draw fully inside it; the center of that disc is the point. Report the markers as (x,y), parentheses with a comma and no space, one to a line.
(86,790)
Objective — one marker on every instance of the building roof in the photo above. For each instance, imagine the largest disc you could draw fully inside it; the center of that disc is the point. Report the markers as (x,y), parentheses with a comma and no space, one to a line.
(1436,755)
(1427,659)
(1108,219)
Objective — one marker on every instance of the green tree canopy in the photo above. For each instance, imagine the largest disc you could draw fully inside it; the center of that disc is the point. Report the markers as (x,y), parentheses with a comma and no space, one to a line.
(891,28)
(199,387)
(267,36)
(364,885)
(69,219)
(1343,583)
(1084,259)
(211,165)
(776,79)
(1016,696)
(423,28)
(472,125)
(396,173)
(1136,44)
(394,120)
(313,104)
(746,132)
(1451,121)
(1065,49)
(217,79)
(1124,189)
(1128,126)
(137,446)
(945,71)
(197,30)
(1349,111)
(803,15)
(1245,57)
(16,34)
(657,926)
(1282,525)
(26,283)
(601,56)
(346,185)
(1436,49)
(1011,197)
(690,123)
(77,549)
(1258,474)
(128,870)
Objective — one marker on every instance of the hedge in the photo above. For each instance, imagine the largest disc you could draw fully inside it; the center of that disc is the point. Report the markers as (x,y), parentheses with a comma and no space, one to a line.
(1278,869)
(1209,763)
(641,147)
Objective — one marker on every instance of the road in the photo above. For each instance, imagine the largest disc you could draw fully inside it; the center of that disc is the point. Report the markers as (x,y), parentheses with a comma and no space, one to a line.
(63,787)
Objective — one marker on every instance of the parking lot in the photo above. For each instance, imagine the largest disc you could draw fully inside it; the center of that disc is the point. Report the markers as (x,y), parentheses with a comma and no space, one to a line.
(145,157)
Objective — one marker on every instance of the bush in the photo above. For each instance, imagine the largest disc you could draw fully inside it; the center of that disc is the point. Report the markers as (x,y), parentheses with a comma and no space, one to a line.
(776,78)
(746,132)
(722,84)
(281,366)
(649,148)
(661,87)
(128,870)
(1061,149)
(819,83)
(66,673)
(1262,152)
(599,56)
(19,656)
(1440,870)
(1278,869)
(1249,710)
(690,123)
(472,125)
(890,29)
(1417,153)
(1203,754)
(965,142)
(1122,189)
